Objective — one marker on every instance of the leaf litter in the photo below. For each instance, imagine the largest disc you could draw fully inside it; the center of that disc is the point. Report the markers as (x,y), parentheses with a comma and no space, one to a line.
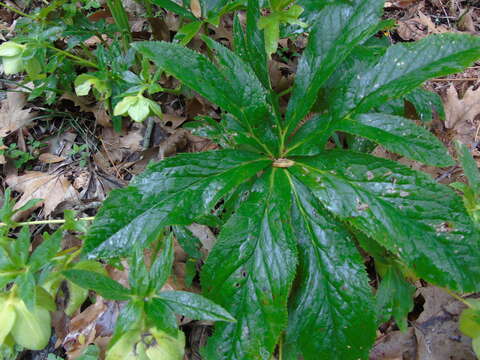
(52,189)
(13,116)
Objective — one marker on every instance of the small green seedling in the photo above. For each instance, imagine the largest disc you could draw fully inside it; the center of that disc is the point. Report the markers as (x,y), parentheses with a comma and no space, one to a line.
(147,327)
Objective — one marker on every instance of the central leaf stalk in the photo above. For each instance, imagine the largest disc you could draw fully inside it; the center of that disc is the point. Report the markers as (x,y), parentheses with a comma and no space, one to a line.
(283,163)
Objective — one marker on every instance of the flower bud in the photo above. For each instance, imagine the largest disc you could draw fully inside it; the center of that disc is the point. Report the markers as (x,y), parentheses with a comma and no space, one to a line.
(7,318)
(166,347)
(11,54)
(31,329)
(126,347)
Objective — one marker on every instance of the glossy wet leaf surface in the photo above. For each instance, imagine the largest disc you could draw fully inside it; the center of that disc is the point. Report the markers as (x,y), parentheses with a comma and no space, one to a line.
(174,192)
(404,210)
(250,272)
(331,297)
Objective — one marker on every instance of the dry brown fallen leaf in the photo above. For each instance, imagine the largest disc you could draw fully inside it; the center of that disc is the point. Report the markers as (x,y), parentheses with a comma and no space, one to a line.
(52,189)
(48,158)
(12,115)
(2,157)
(94,325)
(395,345)
(436,329)
(399,3)
(466,22)
(419,27)
(460,113)
(196,8)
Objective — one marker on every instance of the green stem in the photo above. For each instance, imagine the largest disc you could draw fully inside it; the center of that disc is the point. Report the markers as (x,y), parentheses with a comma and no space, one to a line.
(73,57)
(285,92)
(121,19)
(21,13)
(280,348)
(176,91)
(42,222)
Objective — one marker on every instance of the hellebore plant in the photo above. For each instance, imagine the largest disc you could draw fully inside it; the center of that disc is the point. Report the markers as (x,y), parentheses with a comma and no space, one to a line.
(295,211)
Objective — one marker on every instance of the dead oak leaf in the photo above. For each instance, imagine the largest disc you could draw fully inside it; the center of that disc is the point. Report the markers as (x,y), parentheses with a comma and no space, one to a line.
(196,8)
(51,189)
(12,115)
(460,113)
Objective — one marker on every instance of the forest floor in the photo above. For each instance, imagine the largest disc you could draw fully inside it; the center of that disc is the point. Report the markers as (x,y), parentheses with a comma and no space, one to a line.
(69,155)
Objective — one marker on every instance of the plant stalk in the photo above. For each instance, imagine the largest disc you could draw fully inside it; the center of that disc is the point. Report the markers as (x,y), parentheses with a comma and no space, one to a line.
(73,57)
(19,12)
(42,222)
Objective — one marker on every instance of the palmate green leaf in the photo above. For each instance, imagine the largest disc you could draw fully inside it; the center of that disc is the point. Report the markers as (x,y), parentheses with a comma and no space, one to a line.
(312,8)
(395,297)
(250,45)
(233,85)
(424,223)
(174,191)
(331,312)
(250,271)
(103,285)
(46,250)
(193,69)
(404,67)
(398,135)
(257,115)
(339,29)
(194,306)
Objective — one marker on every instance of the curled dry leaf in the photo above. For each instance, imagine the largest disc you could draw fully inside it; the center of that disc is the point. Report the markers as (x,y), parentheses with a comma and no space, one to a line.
(2,157)
(196,8)
(12,115)
(460,113)
(52,189)
(91,326)
(48,158)
(172,121)
(400,3)
(466,22)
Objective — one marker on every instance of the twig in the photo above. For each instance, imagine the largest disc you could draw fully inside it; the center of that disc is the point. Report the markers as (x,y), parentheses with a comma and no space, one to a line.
(41,222)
